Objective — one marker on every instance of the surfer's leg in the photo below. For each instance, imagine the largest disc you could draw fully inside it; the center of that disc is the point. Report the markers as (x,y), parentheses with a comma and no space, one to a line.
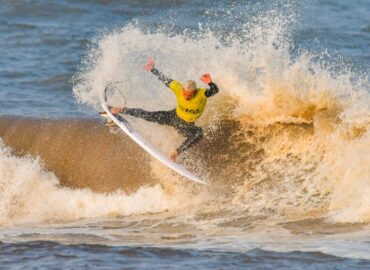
(193,135)
(160,117)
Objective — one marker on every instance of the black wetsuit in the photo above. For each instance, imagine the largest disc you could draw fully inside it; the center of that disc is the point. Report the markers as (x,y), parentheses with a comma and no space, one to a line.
(189,130)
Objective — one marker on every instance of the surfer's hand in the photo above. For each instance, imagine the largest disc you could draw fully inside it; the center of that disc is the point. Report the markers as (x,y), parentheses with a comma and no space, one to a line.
(206,78)
(149,64)
(172,155)
(116,110)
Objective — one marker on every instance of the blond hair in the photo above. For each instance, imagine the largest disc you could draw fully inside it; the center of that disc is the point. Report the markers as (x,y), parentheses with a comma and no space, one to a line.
(190,85)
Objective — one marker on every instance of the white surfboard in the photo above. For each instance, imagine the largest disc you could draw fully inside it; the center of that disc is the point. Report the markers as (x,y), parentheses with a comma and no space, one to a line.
(140,140)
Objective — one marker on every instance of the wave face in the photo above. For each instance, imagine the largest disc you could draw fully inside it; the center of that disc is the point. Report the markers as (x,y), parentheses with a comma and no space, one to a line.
(81,153)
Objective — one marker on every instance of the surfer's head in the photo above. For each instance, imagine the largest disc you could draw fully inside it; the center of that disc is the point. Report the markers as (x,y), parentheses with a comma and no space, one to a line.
(189,89)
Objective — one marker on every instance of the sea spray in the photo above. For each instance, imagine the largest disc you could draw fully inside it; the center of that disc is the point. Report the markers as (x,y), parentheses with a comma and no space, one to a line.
(292,112)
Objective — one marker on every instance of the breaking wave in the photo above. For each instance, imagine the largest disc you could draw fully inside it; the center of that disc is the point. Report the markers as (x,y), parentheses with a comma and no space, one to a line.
(287,138)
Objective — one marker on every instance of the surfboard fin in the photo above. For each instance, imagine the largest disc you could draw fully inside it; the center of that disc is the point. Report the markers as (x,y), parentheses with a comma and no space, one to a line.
(108,121)
(111,124)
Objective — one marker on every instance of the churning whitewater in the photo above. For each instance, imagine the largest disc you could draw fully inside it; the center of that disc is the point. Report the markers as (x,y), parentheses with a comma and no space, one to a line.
(289,133)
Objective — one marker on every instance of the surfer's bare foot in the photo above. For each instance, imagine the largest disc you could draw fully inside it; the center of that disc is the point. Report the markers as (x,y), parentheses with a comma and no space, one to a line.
(116,110)
(172,155)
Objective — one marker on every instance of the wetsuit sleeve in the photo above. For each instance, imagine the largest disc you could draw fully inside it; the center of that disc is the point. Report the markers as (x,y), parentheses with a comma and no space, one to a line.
(162,77)
(212,90)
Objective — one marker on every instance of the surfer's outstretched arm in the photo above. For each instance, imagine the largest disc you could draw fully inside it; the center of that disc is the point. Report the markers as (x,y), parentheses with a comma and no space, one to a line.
(149,66)
(213,88)
(162,77)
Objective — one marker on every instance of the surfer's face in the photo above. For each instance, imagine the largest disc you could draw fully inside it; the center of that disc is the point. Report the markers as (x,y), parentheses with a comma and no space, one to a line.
(188,94)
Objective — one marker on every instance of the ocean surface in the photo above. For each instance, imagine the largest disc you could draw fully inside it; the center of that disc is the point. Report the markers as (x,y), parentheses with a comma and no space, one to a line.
(286,150)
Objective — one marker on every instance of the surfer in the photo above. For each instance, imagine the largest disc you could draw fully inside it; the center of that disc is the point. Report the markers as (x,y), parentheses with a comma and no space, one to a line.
(191,102)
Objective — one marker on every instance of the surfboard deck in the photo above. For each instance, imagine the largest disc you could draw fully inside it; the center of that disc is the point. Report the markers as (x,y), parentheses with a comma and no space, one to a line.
(125,126)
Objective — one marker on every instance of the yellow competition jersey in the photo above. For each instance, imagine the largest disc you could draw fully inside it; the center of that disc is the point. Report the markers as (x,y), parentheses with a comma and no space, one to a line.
(189,110)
